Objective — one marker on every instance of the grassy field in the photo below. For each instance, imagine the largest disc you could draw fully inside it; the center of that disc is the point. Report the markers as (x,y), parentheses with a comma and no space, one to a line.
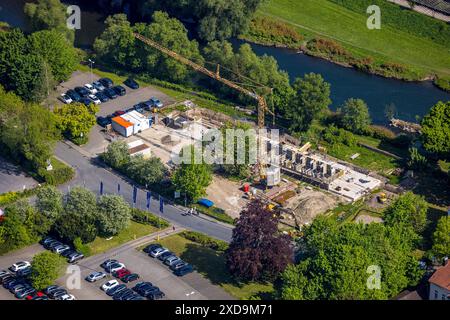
(322,18)
(134,231)
(211,264)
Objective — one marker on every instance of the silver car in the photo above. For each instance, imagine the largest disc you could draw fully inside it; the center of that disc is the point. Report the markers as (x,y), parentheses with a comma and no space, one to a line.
(157,252)
(94,276)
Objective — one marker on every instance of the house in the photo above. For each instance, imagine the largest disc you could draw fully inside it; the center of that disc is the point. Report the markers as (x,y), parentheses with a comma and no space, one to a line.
(440,283)
(130,123)
(138,147)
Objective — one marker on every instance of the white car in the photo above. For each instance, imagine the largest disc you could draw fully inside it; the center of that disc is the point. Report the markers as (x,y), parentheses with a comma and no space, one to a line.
(65,98)
(116,268)
(109,285)
(94,99)
(20,266)
(157,252)
(90,88)
(60,249)
(66,297)
(97,85)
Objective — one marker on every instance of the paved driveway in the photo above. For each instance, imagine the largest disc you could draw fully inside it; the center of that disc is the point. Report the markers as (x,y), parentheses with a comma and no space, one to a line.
(12,178)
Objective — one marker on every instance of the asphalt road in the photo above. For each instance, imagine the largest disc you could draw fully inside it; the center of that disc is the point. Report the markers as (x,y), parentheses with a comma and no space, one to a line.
(12,178)
(89,174)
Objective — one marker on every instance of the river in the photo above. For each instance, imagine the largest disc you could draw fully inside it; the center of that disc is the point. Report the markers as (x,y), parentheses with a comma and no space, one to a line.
(411,99)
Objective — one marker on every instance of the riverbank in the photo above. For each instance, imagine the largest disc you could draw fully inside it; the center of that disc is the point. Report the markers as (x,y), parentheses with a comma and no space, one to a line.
(336,34)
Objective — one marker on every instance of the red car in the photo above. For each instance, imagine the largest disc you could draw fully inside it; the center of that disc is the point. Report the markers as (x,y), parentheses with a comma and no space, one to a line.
(121,273)
(35,295)
(118,113)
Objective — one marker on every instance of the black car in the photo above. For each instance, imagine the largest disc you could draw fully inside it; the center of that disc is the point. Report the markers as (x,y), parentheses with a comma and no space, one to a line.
(102,97)
(130,277)
(52,244)
(122,294)
(86,101)
(24,272)
(5,277)
(68,253)
(120,90)
(11,282)
(73,95)
(103,121)
(151,247)
(57,293)
(110,93)
(106,82)
(82,91)
(141,285)
(165,255)
(116,290)
(145,291)
(156,295)
(131,83)
(51,288)
(46,240)
(184,270)
(25,292)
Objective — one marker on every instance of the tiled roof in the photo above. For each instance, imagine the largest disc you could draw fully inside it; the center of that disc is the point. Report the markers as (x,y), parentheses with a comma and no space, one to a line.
(441,277)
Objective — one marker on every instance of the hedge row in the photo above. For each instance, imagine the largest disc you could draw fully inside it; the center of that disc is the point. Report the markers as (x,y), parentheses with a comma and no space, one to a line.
(144,217)
(204,240)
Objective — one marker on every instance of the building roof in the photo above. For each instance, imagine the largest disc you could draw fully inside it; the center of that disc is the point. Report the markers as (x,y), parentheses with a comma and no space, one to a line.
(134,117)
(438,5)
(441,277)
(122,122)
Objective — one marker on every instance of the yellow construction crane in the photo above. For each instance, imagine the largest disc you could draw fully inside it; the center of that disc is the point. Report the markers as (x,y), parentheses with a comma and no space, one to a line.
(262,104)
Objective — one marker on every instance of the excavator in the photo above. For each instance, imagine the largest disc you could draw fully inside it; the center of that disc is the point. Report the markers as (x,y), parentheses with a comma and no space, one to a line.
(262,103)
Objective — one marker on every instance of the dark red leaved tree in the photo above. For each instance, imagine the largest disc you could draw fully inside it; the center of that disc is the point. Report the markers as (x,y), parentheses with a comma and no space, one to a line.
(258,251)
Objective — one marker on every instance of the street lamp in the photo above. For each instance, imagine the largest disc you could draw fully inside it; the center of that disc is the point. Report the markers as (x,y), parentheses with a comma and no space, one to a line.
(91,63)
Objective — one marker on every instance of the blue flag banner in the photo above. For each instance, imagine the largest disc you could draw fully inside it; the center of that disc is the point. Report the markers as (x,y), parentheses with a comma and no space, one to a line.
(101,188)
(118,188)
(161,204)
(149,199)
(134,194)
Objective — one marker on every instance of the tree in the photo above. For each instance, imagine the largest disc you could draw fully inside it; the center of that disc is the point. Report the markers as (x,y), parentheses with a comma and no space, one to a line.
(58,53)
(258,251)
(146,171)
(311,99)
(80,215)
(15,234)
(416,160)
(441,238)
(76,120)
(49,202)
(436,129)
(408,209)
(49,15)
(46,267)
(192,178)
(114,214)
(117,155)
(354,115)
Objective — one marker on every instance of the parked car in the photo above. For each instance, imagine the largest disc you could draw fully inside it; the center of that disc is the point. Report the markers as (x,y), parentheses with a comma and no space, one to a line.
(118,113)
(155,253)
(106,263)
(95,276)
(75,257)
(82,91)
(151,247)
(57,293)
(156,103)
(165,255)
(72,94)
(122,294)
(146,291)
(6,277)
(184,270)
(68,253)
(86,101)
(66,296)
(140,107)
(103,121)
(98,85)
(4,273)
(140,285)
(110,93)
(114,267)
(25,292)
(35,295)
(90,88)
(12,281)
(121,273)
(109,285)
(19,286)
(49,245)
(51,288)
(102,97)
(46,240)
(65,98)
(94,99)
(19,266)
(60,249)
(106,82)
(205,202)
(116,290)
(147,105)
(177,265)
(131,83)
(120,90)
(130,277)
(156,295)
(24,272)
(171,260)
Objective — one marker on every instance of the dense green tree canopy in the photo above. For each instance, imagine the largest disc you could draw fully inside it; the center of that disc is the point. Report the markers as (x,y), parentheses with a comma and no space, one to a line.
(76,120)
(114,214)
(46,267)
(146,171)
(354,115)
(116,154)
(436,129)
(441,238)
(49,202)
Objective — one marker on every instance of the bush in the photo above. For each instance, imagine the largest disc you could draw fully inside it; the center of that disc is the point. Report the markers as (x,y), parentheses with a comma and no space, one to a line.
(381,132)
(57,176)
(9,197)
(216,213)
(204,240)
(144,217)
(334,135)
(442,83)
(81,247)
